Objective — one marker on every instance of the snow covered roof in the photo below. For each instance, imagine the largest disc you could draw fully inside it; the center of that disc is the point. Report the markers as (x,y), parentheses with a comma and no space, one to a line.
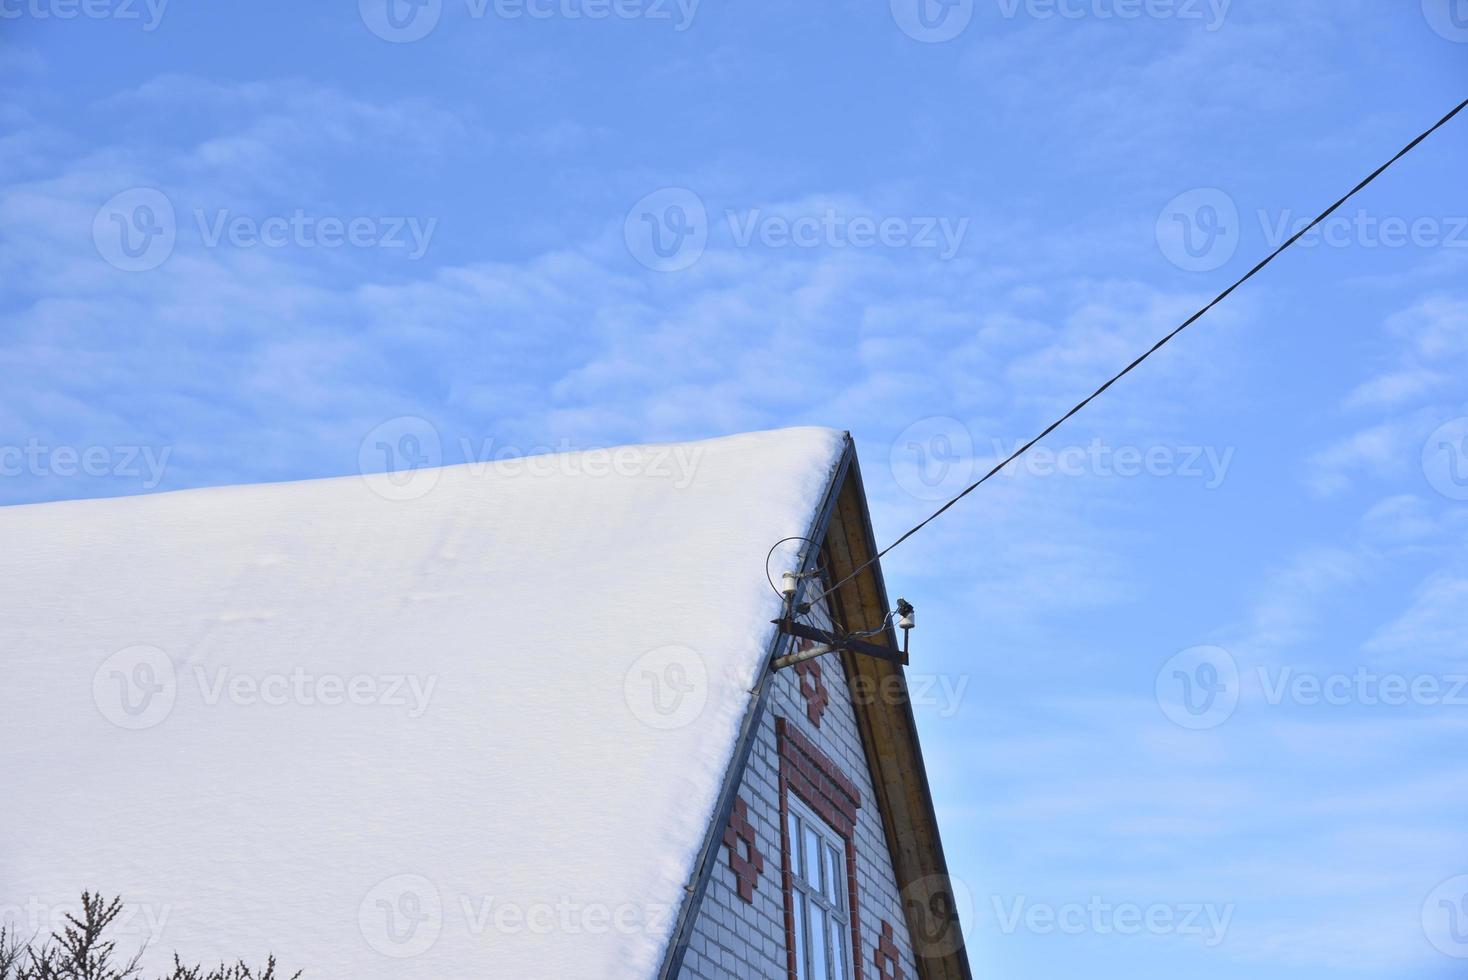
(475,732)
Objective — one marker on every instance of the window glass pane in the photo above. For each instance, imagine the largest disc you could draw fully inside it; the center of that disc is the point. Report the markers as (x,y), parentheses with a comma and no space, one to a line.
(819,897)
(818,944)
(813,859)
(795,842)
(801,970)
(838,948)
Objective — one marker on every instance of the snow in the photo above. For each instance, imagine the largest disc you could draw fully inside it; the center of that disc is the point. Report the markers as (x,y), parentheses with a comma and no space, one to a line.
(471,724)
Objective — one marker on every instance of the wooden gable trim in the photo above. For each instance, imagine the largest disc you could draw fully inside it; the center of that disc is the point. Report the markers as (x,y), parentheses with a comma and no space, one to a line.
(889,737)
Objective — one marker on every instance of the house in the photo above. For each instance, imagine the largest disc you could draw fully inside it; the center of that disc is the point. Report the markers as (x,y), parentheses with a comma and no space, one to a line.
(510,720)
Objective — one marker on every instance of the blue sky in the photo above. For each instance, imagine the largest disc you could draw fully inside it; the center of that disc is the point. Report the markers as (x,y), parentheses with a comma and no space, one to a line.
(237,239)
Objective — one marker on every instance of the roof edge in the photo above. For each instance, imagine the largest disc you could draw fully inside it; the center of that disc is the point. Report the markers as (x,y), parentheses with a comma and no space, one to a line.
(748,732)
(945,959)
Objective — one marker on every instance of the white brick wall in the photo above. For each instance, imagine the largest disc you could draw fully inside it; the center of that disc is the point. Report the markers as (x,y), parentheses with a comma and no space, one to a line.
(732,938)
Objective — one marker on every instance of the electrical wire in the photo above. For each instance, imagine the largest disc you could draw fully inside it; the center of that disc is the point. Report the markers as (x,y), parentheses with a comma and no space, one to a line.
(1154,349)
(805,610)
(820,569)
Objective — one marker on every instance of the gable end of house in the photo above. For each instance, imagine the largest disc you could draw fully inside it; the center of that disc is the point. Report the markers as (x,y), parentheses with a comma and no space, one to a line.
(827,762)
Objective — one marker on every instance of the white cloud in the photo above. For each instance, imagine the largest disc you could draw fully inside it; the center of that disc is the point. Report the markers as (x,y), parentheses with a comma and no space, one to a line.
(1434,629)
(1431,353)
(1377,451)
(1290,600)
(1400,519)
(1390,390)
(290,356)
(1436,329)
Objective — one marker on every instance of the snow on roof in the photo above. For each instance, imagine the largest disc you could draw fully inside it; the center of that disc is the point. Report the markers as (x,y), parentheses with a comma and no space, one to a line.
(473,730)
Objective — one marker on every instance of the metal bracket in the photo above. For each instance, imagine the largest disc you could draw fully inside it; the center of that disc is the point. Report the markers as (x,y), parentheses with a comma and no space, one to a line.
(831,642)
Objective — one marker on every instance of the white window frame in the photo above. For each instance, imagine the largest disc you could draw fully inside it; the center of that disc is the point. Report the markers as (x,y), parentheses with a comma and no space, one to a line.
(820,897)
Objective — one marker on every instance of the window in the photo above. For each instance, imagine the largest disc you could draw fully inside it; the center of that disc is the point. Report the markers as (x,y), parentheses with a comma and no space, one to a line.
(821,915)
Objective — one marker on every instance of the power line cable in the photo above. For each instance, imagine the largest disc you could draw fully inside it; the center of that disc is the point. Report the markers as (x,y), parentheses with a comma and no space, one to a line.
(1154,348)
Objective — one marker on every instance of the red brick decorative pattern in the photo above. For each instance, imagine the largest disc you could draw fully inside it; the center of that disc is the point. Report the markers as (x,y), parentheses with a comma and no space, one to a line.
(749,865)
(886,955)
(811,775)
(816,779)
(812,688)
